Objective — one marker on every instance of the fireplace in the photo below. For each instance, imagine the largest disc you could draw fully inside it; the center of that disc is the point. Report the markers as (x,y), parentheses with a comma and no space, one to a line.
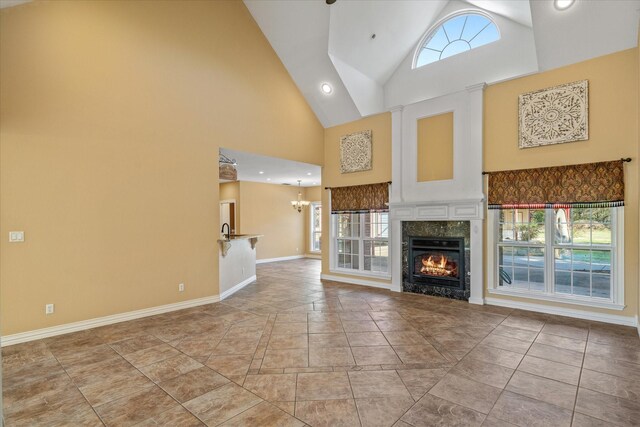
(451,208)
(437,261)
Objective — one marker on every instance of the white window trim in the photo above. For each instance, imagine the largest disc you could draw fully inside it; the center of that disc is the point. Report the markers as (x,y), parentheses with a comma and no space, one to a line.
(311,210)
(333,255)
(617,259)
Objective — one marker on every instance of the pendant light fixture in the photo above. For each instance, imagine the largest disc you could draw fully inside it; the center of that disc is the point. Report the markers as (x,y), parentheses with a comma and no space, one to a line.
(299,204)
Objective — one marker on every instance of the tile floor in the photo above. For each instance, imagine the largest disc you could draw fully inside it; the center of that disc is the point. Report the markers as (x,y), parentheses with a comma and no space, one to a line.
(291,350)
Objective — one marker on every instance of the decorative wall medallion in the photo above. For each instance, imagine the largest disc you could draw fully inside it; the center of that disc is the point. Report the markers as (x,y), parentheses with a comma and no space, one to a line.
(554,115)
(355,152)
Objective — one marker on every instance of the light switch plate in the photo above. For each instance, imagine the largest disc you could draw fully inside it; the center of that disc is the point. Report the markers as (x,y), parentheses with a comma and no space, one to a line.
(16,236)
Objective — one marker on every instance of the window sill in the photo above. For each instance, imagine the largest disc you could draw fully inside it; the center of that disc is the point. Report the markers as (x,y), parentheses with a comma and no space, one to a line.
(382,276)
(557,298)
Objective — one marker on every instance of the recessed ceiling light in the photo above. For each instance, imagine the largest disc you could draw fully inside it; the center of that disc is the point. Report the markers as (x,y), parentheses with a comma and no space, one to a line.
(563,4)
(309,173)
(326,88)
(261,172)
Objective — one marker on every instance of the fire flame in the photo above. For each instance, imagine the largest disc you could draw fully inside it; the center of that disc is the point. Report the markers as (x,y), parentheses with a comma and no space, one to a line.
(438,267)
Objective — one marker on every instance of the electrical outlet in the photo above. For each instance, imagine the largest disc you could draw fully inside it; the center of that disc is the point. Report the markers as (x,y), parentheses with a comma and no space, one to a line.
(48,309)
(16,236)
(181,287)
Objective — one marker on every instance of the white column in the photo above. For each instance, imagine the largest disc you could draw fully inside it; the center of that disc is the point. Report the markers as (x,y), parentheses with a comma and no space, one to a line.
(476,267)
(396,155)
(474,143)
(395,243)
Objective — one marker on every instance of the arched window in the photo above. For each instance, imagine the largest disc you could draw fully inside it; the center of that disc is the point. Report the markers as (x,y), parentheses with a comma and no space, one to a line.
(457,34)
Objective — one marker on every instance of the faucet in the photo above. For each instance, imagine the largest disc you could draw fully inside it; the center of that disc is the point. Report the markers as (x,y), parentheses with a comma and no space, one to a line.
(228,230)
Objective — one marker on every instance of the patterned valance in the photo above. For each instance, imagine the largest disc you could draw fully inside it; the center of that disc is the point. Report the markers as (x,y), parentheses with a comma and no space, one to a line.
(592,184)
(360,198)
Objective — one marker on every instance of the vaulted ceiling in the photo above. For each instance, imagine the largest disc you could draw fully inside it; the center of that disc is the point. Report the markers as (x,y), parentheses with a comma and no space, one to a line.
(335,44)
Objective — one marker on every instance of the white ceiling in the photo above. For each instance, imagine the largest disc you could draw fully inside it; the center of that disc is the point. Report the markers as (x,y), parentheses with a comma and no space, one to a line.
(321,43)
(396,25)
(516,10)
(589,29)
(275,171)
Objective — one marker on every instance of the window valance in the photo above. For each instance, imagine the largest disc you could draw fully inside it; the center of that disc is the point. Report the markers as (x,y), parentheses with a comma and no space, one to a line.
(592,184)
(360,198)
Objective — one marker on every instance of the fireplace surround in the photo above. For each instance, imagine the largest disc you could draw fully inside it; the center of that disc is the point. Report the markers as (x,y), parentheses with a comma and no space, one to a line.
(437,239)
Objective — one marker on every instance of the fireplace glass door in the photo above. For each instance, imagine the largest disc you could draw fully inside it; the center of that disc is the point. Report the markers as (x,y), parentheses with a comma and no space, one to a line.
(437,261)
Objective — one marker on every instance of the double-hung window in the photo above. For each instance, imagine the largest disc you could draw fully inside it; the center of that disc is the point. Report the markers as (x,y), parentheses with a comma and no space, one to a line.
(557,233)
(360,243)
(561,253)
(316,227)
(359,232)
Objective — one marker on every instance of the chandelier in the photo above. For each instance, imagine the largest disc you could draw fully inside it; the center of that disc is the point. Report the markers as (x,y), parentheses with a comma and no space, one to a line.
(299,204)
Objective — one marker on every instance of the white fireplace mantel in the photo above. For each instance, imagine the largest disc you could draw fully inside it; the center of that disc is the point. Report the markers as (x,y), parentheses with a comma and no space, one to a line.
(472,211)
(442,210)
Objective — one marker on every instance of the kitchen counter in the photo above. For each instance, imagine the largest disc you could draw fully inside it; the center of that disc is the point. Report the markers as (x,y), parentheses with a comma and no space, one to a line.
(225,244)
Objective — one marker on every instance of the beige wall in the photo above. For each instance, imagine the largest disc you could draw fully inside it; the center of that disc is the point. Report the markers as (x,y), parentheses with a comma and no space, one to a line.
(313,194)
(111,117)
(331,177)
(613,133)
(266,209)
(435,148)
(230,191)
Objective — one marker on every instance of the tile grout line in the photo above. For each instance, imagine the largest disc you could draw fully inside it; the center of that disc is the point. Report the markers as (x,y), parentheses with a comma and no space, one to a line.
(74,384)
(415,402)
(295,399)
(515,369)
(476,345)
(584,355)
(163,390)
(354,397)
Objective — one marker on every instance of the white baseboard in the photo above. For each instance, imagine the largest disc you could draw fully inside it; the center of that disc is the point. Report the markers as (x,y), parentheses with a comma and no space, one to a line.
(283,258)
(102,321)
(313,256)
(354,281)
(568,312)
(237,287)
(479,301)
